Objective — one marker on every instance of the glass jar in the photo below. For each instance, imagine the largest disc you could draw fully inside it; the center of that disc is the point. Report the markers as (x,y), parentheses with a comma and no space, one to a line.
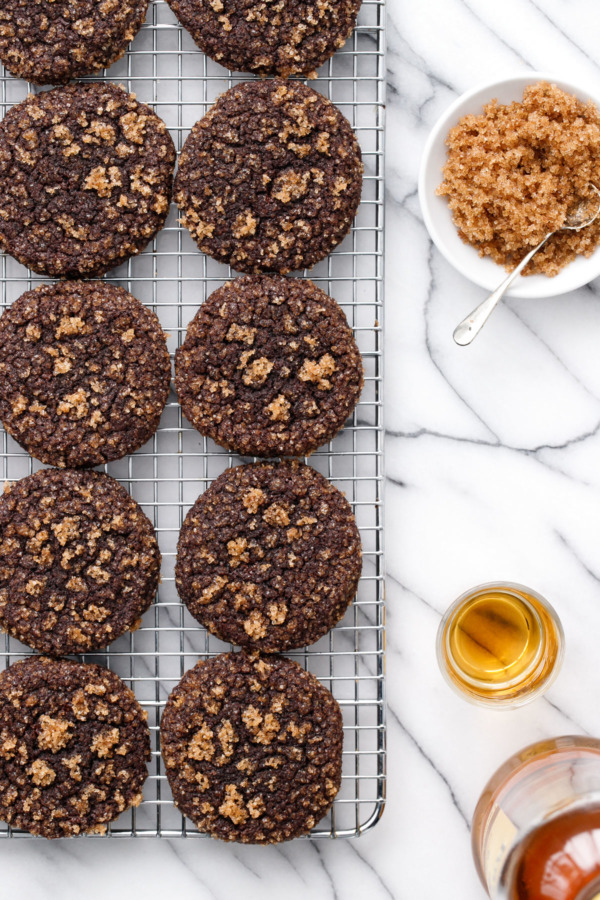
(536,828)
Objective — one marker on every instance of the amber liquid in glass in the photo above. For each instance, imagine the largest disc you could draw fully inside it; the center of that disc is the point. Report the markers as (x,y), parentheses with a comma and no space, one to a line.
(500,644)
(560,860)
(495,637)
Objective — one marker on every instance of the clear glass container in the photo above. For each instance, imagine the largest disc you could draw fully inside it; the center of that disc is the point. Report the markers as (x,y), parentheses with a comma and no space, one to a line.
(500,644)
(536,828)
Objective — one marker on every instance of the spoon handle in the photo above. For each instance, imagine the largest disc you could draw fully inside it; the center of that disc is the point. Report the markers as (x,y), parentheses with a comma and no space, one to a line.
(470,327)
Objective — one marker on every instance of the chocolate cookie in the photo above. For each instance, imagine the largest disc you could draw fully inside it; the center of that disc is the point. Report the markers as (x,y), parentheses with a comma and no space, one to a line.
(269,556)
(74,744)
(84,373)
(293,38)
(85,179)
(252,748)
(270,179)
(79,561)
(269,367)
(50,43)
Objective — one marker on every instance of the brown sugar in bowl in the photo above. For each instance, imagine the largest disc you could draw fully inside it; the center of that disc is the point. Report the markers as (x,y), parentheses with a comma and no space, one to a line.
(438,216)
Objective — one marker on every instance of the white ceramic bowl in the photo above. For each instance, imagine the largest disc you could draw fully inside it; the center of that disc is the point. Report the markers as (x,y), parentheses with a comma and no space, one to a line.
(482,270)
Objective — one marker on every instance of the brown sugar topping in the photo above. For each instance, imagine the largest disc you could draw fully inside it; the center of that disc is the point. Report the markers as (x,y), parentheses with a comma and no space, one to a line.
(232,806)
(257,371)
(279,409)
(201,745)
(514,172)
(318,371)
(276,514)
(227,738)
(291,186)
(41,773)
(104,741)
(241,333)
(255,625)
(53,734)
(253,499)
(244,225)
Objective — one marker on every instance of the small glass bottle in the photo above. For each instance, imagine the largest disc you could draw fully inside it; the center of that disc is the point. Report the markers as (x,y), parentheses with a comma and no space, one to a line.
(500,644)
(536,828)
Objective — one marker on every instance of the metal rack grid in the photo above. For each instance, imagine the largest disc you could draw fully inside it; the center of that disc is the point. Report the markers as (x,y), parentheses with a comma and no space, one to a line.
(165,69)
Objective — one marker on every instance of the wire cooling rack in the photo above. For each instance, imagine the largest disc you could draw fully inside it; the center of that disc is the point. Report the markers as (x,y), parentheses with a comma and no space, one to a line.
(165,69)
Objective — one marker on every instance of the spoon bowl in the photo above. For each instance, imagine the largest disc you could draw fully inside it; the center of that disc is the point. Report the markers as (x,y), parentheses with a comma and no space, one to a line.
(577,219)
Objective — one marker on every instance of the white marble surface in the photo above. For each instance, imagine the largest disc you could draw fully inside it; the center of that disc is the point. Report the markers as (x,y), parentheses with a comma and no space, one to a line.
(493,451)
(493,462)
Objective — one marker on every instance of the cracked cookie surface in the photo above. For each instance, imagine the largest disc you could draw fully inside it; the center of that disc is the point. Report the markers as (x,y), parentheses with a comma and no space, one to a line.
(269,367)
(84,373)
(74,745)
(79,561)
(252,748)
(270,179)
(269,556)
(53,42)
(85,179)
(288,37)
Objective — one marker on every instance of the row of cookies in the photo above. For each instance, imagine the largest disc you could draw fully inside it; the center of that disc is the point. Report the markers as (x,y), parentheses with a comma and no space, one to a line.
(268,558)
(269,367)
(269,179)
(53,42)
(252,747)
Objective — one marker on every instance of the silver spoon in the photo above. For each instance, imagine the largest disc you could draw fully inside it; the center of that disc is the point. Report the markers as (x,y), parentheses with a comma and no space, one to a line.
(470,327)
